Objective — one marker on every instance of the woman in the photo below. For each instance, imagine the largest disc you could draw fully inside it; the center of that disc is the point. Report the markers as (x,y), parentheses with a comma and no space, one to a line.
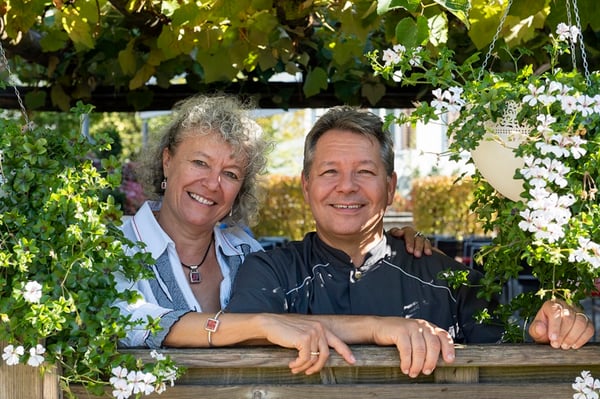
(204,171)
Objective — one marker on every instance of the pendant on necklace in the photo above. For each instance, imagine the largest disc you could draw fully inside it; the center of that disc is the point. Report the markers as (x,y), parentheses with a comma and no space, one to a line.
(195,276)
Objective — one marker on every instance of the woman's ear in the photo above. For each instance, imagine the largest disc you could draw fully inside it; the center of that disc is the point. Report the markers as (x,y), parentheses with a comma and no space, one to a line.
(166,159)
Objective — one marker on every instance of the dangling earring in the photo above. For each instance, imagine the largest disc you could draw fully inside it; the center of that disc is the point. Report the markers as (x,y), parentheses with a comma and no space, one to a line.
(163,184)
(230,212)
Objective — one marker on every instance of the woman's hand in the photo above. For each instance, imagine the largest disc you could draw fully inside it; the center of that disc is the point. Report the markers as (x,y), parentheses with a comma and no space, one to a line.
(416,243)
(561,325)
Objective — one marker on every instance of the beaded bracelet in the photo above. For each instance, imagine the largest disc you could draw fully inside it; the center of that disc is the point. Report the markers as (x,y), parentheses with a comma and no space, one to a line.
(212,325)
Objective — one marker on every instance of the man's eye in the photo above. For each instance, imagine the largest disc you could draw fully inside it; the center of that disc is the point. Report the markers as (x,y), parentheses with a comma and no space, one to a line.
(328,172)
(366,172)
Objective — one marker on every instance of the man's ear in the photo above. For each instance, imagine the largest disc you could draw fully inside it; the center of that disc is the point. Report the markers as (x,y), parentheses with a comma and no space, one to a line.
(392,181)
(304,182)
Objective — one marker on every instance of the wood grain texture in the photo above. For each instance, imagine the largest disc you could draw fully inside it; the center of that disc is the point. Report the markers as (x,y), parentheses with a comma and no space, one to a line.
(479,371)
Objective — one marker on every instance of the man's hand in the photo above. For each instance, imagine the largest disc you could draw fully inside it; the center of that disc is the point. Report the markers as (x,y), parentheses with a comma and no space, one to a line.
(419,342)
(416,244)
(561,325)
(309,337)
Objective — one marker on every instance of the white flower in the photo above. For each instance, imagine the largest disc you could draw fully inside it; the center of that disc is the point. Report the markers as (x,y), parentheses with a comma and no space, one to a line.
(545,122)
(141,382)
(568,104)
(390,57)
(12,355)
(574,142)
(532,99)
(586,386)
(32,292)
(597,104)
(554,87)
(563,31)
(588,251)
(36,356)
(157,355)
(567,33)
(399,48)
(122,390)
(585,105)
(547,148)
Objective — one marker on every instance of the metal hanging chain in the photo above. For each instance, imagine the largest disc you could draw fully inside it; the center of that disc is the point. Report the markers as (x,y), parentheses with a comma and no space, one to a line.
(571,42)
(586,67)
(11,82)
(586,70)
(4,61)
(494,40)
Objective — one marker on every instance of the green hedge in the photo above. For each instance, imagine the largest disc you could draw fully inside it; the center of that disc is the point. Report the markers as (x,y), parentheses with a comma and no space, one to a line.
(441,205)
(283,211)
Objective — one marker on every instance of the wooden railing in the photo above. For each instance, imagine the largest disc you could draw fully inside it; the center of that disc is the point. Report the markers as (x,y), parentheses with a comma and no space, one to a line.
(479,371)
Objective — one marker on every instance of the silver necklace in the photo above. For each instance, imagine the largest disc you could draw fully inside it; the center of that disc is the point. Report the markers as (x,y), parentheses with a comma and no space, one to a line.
(194,274)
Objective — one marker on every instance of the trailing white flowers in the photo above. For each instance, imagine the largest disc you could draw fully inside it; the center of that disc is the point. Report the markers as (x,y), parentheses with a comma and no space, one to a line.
(125,383)
(586,386)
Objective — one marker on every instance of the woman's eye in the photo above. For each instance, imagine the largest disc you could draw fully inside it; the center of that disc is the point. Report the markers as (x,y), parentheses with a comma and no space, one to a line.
(232,175)
(199,162)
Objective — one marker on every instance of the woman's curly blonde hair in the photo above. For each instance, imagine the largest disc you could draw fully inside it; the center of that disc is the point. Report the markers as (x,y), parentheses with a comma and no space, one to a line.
(204,114)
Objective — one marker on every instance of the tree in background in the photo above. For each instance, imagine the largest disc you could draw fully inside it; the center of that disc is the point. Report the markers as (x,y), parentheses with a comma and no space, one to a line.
(103,50)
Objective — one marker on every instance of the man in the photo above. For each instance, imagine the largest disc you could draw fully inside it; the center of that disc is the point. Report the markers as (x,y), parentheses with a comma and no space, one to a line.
(351,267)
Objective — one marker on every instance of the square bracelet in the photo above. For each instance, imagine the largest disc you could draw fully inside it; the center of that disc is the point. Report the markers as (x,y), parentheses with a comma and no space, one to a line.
(212,325)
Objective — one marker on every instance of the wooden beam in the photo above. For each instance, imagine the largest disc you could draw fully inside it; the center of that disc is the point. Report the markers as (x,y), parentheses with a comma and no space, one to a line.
(272,96)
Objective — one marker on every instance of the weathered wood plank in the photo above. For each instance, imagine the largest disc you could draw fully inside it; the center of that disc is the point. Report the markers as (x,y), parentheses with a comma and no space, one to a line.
(481,371)
(382,391)
(507,355)
(25,382)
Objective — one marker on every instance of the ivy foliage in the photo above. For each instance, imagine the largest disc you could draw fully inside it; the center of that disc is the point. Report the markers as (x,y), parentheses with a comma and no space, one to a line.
(57,232)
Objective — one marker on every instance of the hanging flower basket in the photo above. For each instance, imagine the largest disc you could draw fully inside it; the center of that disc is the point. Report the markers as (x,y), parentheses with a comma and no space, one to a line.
(495,157)
(533,137)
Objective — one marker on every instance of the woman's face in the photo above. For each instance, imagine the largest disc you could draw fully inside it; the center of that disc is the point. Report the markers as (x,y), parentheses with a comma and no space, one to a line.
(203,180)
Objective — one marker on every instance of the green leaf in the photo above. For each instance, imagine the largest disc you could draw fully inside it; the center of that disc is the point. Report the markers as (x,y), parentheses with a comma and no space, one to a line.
(373,92)
(60,98)
(217,65)
(485,24)
(384,6)
(167,42)
(77,28)
(525,9)
(316,80)
(438,28)
(346,51)
(141,77)
(460,9)
(54,40)
(411,33)
(127,59)
(35,99)
(262,4)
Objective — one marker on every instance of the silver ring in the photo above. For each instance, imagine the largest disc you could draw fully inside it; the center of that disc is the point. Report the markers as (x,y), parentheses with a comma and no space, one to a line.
(317,353)
(587,319)
(419,234)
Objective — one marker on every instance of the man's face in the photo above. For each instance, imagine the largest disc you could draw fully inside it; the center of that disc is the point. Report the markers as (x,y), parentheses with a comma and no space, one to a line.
(347,188)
